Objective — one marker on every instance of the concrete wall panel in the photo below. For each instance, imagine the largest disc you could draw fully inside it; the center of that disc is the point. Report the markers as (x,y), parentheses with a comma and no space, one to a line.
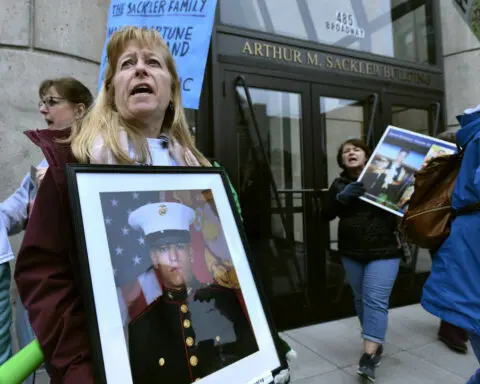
(456,35)
(14,22)
(462,74)
(73,27)
(19,110)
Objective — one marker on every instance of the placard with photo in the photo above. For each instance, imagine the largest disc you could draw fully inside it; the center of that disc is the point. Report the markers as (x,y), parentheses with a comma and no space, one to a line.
(389,174)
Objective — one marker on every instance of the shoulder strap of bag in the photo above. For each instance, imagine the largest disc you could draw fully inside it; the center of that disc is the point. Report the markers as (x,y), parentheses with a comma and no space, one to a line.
(469,208)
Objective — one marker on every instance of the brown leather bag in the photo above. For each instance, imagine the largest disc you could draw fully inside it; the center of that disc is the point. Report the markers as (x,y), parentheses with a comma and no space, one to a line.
(429,215)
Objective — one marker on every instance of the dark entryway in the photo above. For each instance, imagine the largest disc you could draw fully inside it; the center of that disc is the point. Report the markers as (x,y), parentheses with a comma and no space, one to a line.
(280,151)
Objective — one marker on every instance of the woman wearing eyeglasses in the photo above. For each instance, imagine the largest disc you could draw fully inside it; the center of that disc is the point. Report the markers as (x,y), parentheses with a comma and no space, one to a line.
(62,101)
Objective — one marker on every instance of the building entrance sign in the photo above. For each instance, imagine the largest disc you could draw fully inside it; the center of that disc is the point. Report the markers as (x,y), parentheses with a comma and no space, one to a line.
(277,53)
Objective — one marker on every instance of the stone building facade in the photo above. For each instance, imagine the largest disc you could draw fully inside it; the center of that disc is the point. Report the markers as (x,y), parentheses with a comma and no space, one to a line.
(41,39)
(461,53)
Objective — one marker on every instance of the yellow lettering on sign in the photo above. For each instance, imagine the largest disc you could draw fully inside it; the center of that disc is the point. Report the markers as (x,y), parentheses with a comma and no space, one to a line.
(312,59)
(329,60)
(370,69)
(258,49)
(338,63)
(298,58)
(287,54)
(277,52)
(388,71)
(267,49)
(247,48)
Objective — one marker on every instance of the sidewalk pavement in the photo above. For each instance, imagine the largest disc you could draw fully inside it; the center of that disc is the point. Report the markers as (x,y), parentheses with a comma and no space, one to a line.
(328,353)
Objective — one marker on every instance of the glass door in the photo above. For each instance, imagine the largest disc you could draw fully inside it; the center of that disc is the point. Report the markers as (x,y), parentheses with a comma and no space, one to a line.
(282,157)
(339,114)
(273,174)
(422,115)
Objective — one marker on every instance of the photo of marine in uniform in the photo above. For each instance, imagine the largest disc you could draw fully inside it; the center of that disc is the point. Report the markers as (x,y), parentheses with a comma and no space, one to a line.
(183,317)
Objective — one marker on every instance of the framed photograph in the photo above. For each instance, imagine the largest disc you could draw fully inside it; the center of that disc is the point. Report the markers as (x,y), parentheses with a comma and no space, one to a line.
(389,174)
(171,293)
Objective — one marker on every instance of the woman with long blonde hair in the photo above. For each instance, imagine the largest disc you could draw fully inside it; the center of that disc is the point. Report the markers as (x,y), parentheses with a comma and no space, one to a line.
(116,127)
(137,118)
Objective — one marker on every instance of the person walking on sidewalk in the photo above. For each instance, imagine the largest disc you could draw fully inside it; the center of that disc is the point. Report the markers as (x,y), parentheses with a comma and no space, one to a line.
(452,336)
(369,251)
(452,290)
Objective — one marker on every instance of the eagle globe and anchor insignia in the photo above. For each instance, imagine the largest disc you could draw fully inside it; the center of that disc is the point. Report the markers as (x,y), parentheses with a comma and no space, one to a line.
(162,210)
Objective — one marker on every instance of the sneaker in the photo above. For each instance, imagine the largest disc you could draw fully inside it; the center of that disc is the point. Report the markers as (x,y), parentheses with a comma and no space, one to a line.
(366,367)
(377,357)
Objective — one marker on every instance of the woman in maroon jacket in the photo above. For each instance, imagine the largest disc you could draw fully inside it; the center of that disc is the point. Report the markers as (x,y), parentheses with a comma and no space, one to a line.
(139,102)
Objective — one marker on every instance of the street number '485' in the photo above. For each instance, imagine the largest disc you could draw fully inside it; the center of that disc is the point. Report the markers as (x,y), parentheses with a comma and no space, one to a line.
(344,18)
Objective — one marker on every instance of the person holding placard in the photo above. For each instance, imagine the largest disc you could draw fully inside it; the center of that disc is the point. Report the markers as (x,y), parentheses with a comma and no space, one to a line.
(369,250)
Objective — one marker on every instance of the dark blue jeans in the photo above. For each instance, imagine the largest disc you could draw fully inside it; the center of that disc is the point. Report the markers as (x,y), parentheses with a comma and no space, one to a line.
(475,341)
(372,285)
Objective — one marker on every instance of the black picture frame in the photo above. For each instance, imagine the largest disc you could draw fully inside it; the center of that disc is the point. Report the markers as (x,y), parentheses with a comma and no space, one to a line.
(86,183)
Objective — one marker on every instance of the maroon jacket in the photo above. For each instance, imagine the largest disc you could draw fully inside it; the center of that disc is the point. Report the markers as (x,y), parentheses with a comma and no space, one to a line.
(48,282)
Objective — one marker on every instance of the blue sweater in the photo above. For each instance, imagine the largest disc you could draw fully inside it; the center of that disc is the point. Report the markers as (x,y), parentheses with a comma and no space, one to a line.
(13,214)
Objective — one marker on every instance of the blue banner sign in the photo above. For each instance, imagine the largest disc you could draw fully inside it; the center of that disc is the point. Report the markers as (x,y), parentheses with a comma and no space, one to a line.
(185,25)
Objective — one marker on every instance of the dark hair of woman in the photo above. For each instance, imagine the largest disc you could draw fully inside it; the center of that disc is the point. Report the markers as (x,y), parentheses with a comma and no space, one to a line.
(69,88)
(355,142)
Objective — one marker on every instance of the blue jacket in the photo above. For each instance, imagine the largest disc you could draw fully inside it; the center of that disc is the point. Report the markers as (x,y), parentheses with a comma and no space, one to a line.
(452,291)
(13,214)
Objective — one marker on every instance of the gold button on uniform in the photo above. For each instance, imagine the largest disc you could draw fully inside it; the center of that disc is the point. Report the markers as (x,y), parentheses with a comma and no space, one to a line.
(186,323)
(189,341)
(184,308)
(161,362)
(194,361)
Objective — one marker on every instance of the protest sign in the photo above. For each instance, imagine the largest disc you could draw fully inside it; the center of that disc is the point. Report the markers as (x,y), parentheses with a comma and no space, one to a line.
(389,174)
(185,25)
(470,12)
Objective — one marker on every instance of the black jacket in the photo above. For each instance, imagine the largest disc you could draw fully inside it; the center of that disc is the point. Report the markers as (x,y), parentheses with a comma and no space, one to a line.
(365,232)
(187,335)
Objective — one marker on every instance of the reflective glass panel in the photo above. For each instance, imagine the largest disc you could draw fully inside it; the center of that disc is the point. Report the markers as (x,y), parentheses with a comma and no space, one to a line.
(344,119)
(418,120)
(278,115)
(393,28)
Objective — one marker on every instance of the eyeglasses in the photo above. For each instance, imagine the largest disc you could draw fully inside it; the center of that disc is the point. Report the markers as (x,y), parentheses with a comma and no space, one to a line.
(50,101)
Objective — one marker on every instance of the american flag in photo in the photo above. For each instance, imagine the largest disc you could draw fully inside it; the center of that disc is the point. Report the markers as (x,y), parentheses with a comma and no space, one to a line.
(137,283)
